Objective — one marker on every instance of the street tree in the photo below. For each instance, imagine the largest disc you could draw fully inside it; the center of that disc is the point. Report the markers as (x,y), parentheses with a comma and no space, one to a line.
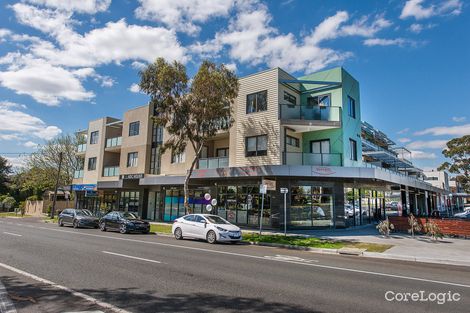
(191,112)
(458,151)
(5,171)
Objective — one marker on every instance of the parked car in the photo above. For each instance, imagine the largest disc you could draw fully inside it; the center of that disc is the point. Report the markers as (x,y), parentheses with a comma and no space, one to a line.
(464,214)
(212,228)
(77,218)
(124,222)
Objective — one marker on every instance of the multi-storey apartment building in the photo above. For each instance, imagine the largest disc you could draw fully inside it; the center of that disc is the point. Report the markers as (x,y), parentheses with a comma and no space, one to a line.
(304,134)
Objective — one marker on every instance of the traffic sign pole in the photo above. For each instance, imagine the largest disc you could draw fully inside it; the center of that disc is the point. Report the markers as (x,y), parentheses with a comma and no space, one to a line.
(262,190)
(285,191)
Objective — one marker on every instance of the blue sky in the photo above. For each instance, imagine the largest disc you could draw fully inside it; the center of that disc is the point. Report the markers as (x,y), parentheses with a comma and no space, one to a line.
(63,63)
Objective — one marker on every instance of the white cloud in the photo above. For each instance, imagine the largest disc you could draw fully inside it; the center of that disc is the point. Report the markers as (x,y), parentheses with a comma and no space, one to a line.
(138,65)
(386,42)
(16,162)
(416,9)
(429,144)
(81,6)
(404,140)
(459,119)
(460,130)
(30,144)
(231,66)
(134,88)
(417,154)
(403,131)
(46,83)
(181,15)
(418,28)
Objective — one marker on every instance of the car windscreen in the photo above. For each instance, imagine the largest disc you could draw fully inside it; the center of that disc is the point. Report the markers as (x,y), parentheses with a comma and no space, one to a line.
(87,212)
(216,219)
(128,215)
(80,213)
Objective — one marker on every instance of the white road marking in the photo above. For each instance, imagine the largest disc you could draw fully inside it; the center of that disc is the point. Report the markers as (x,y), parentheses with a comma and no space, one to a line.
(102,304)
(337,268)
(281,257)
(131,257)
(6,305)
(12,234)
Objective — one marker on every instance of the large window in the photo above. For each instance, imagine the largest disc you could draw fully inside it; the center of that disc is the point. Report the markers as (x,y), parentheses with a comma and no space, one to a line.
(222,152)
(290,98)
(323,100)
(311,206)
(92,164)
(256,145)
(129,201)
(257,102)
(94,137)
(292,141)
(352,150)
(132,159)
(134,128)
(351,107)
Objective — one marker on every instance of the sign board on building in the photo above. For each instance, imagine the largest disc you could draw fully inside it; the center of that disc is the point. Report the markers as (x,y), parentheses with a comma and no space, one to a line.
(131,176)
(270,184)
(91,193)
(284,190)
(263,188)
(84,187)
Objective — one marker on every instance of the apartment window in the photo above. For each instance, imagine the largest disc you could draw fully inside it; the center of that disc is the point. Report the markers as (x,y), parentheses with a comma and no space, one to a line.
(323,100)
(134,128)
(290,98)
(351,107)
(352,150)
(222,152)
(92,164)
(256,145)
(155,160)
(132,159)
(320,146)
(94,137)
(292,141)
(178,157)
(257,102)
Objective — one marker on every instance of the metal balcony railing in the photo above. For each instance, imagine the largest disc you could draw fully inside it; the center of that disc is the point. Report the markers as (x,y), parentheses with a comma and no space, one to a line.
(78,174)
(113,142)
(316,159)
(81,147)
(310,113)
(207,163)
(110,171)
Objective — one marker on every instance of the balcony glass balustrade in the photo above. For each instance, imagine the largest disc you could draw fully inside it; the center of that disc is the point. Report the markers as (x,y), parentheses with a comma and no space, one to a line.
(310,112)
(78,174)
(110,171)
(81,148)
(315,159)
(113,142)
(207,163)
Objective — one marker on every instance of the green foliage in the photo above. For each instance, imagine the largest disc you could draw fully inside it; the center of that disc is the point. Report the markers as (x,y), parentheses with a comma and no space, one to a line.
(191,113)
(415,226)
(458,150)
(8,202)
(433,230)
(384,227)
(5,171)
(33,198)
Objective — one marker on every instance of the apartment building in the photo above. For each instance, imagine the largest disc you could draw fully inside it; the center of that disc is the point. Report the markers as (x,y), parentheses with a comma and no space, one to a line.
(304,134)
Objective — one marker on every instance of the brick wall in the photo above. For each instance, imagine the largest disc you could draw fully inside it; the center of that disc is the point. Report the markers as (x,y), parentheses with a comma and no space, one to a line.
(448,226)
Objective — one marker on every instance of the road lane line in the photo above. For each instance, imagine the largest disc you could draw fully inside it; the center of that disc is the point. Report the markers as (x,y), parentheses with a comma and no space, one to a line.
(102,304)
(344,269)
(12,234)
(6,305)
(131,257)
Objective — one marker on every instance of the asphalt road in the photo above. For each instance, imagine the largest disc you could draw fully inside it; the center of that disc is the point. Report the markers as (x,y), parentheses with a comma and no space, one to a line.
(149,273)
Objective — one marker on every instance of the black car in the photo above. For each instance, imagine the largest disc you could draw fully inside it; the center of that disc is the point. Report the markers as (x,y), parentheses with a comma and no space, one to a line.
(77,218)
(124,222)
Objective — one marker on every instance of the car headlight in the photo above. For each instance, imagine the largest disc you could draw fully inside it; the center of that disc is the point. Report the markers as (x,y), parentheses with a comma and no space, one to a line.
(221,229)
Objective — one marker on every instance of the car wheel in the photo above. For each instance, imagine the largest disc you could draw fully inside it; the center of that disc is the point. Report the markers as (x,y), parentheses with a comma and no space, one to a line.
(178,234)
(103,226)
(122,228)
(211,237)
(61,223)
(75,224)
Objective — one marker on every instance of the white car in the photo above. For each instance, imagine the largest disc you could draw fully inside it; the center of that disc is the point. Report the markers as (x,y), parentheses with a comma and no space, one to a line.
(212,228)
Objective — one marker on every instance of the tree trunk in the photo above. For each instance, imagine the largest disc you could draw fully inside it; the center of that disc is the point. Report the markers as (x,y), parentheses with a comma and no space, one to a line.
(186,181)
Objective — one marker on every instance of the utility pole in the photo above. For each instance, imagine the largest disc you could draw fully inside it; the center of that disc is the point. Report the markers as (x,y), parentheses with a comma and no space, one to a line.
(56,185)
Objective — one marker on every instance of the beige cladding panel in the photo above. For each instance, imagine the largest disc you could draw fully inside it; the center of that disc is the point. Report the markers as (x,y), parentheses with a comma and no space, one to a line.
(258,123)
(94,150)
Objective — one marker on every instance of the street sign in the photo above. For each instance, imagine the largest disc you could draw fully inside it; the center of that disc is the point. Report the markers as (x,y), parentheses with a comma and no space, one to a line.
(263,189)
(284,190)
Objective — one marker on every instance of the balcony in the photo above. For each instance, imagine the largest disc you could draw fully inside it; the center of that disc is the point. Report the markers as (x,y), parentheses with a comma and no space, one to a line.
(81,148)
(110,171)
(78,174)
(212,163)
(113,142)
(314,159)
(305,118)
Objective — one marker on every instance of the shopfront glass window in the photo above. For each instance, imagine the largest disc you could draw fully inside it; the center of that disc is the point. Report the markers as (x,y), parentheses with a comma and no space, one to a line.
(311,206)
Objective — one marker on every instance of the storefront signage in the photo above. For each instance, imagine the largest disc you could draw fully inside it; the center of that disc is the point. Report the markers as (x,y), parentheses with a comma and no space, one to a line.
(91,193)
(270,184)
(131,176)
(84,187)
(322,170)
